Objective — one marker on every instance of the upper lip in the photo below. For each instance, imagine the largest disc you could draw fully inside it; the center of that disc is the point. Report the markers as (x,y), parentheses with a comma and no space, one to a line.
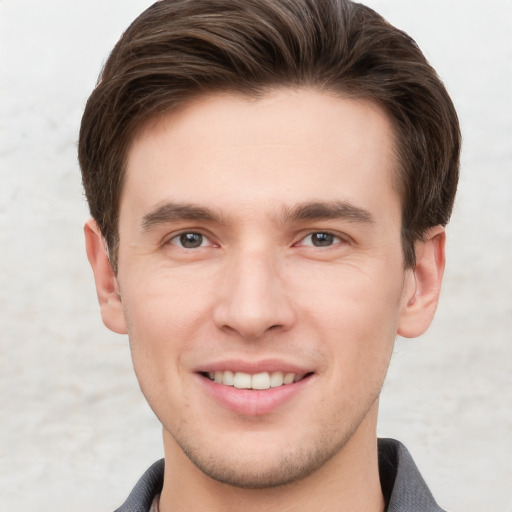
(253,367)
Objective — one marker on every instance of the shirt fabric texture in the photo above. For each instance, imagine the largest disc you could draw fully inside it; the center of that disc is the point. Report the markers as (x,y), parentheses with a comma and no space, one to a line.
(402,485)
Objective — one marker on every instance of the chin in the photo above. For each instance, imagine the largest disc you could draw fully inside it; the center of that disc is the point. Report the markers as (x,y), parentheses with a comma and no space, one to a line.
(262,470)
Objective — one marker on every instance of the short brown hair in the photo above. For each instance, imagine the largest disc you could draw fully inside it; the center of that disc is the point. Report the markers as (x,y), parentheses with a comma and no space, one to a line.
(178,49)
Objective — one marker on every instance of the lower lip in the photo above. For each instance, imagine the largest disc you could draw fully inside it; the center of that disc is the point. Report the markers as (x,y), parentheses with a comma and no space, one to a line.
(253,402)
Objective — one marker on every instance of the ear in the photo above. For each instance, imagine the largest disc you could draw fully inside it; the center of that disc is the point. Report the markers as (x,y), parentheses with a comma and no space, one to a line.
(107,286)
(423,284)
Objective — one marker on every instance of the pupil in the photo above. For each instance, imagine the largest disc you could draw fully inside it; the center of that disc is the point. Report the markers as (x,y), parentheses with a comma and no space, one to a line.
(322,239)
(191,240)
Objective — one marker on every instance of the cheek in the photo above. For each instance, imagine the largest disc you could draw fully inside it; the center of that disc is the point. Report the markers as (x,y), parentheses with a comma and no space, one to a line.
(356,315)
(165,315)
(352,295)
(161,329)
(167,299)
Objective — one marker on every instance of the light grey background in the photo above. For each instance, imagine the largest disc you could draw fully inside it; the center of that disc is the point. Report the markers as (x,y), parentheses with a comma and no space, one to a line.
(75,432)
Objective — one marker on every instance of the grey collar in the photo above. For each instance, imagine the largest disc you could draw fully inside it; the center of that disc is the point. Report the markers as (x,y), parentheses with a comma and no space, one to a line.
(403,487)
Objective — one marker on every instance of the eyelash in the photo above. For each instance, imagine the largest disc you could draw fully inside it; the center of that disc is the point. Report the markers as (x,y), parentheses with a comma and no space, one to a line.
(180,240)
(327,236)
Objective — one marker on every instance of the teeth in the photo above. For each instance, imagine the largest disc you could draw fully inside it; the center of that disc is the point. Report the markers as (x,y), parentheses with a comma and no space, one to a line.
(276,379)
(242,381)
(264,380)
(289,378)
(260,381)
(228,378)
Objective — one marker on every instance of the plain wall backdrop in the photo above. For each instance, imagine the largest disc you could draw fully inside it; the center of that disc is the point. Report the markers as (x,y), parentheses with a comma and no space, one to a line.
(75,431)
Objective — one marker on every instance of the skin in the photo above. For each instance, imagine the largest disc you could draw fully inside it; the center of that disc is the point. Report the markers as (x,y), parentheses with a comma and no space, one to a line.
(259,182)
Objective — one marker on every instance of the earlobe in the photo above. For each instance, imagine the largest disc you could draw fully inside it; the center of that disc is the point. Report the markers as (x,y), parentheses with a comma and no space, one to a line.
(107,286)
(423,284)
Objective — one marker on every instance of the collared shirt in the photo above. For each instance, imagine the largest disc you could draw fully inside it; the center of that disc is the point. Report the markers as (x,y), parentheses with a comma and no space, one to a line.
(402,485)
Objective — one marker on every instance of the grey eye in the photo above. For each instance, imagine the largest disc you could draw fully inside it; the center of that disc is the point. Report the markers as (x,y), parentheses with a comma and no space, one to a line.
(322,239)
(191,240)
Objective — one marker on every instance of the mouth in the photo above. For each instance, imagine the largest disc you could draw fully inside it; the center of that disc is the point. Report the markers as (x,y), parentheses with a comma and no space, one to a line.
(257,381)
(255,389)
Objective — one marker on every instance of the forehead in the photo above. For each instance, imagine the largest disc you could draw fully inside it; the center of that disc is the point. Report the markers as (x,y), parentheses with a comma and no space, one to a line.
(235,153)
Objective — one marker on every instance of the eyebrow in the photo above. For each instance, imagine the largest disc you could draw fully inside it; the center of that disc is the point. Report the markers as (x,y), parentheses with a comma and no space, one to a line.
(310,211)
(170,211)
(327,210)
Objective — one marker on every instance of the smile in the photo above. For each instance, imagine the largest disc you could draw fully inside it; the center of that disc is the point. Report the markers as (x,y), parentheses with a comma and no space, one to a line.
(259,381)
(254,388)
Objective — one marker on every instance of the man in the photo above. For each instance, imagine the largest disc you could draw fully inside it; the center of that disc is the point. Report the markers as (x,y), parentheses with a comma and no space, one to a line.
(269,182)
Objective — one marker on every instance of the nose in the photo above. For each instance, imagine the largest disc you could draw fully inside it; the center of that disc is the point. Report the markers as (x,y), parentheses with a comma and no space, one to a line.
(253,297)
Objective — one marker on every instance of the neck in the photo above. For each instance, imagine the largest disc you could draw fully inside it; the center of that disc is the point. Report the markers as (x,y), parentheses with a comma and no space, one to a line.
(349,481)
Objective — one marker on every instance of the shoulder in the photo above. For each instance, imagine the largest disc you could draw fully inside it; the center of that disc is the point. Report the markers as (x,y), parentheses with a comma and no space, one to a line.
(403,486)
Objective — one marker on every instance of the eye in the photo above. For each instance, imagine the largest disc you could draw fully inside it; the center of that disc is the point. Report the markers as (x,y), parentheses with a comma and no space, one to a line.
(190,240)
(320,239)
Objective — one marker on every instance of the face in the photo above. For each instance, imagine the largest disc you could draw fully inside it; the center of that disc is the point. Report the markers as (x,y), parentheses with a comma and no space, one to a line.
(261,278)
